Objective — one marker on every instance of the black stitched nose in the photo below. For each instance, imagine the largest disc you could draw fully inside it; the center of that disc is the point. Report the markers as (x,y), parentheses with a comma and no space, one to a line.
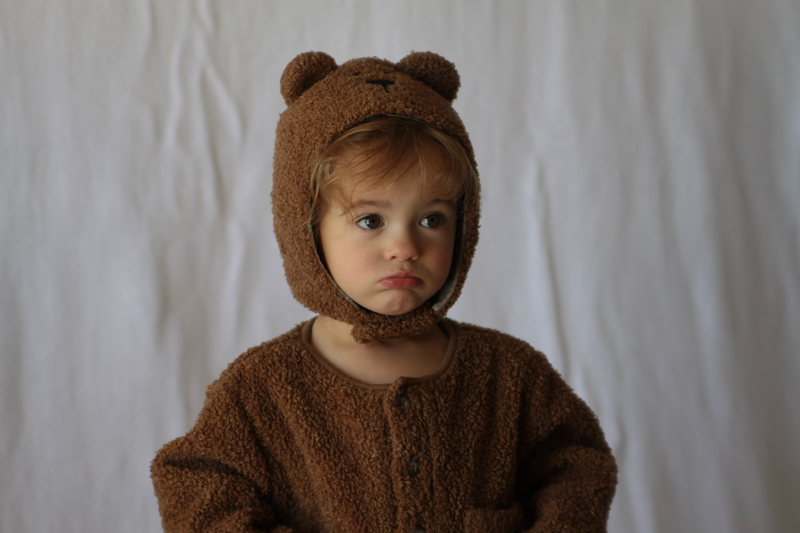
(383,83)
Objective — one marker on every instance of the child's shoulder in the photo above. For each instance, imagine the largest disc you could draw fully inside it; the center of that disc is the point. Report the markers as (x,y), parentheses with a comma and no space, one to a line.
(509,363)
(483,341)
(272,357)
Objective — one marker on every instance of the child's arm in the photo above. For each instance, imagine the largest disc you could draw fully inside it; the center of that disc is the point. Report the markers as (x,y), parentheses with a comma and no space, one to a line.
(214,478)
(567,475)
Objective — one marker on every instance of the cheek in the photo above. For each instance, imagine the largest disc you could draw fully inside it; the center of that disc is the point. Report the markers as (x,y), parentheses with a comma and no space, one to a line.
(444,252)
(329,240)
(345,260)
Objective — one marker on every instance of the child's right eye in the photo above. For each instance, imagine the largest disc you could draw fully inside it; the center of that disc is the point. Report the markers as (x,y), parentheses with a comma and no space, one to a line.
(369,222)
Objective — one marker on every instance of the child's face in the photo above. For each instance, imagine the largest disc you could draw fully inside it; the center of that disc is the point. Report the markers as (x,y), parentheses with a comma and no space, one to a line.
(389,250)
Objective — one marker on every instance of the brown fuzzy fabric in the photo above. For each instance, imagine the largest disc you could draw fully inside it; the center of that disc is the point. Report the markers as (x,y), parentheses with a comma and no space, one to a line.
(323,100)
(495,442)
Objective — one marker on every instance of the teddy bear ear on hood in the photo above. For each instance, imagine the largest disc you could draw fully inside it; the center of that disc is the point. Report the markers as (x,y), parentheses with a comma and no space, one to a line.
(303,72)
(434,71)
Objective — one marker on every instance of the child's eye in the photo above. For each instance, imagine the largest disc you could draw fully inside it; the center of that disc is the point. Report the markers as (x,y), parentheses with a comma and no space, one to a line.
(432,221)
(370,222)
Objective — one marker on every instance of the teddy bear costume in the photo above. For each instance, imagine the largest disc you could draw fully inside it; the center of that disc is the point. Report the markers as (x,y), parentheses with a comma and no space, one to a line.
(493,442)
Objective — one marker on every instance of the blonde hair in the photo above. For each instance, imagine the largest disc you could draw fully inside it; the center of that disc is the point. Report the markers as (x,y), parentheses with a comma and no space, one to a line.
(380,151)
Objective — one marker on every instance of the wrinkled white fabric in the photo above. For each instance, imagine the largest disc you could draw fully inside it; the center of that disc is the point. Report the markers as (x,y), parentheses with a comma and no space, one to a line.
(641,226)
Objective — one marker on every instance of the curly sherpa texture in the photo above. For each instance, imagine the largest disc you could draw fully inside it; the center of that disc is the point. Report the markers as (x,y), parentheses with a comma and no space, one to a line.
(324,100)
(494,442)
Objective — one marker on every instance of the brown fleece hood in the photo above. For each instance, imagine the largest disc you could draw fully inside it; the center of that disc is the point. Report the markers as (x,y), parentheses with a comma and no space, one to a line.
(323,100)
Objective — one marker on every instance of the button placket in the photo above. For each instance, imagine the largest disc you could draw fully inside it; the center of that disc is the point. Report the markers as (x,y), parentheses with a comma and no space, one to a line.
(404,405)
(407,453)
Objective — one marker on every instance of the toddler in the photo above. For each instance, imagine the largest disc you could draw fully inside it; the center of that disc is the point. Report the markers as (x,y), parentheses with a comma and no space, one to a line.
(381,415)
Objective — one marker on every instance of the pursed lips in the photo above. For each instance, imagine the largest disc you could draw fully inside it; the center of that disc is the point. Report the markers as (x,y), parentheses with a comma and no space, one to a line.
(401,280)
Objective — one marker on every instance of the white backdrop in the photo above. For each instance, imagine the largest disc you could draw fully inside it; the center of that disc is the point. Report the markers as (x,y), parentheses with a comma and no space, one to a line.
(640,163)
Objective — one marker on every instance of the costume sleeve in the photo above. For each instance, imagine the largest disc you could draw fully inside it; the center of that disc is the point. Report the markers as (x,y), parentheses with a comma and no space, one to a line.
(214,478)
(567,476)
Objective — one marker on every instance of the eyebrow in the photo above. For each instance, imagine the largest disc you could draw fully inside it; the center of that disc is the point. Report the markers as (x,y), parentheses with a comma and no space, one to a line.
(382,204)
(368,203)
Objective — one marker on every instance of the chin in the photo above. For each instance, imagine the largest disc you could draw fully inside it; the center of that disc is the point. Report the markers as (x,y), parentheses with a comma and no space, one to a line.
(381,310)
(395,309)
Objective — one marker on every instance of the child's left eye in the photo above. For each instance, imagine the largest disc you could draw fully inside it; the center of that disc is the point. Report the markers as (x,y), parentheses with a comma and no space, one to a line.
(432,221)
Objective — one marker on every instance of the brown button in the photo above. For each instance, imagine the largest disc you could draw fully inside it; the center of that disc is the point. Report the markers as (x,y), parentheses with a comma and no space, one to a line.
(413,467)
(403,403)
(418,529)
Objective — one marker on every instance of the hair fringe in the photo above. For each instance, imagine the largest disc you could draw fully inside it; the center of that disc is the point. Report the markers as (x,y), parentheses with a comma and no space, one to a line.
(380,152)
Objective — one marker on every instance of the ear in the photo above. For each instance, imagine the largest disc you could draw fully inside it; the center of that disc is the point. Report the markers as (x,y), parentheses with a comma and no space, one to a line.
(304,71)
(434,71)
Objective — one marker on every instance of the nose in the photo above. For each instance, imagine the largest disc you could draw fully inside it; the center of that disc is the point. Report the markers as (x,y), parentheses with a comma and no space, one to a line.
(403,246)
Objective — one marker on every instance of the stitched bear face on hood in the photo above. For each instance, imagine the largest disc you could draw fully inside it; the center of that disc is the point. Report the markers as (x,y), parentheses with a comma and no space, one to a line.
(324,100)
